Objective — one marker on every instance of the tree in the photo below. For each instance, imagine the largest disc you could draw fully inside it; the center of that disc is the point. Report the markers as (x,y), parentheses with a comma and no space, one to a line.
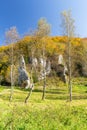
(11,37)
(43,30)
(69,31)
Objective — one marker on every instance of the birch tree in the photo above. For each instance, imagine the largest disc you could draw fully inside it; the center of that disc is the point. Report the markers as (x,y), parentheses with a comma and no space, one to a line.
(43,30)
(11,36)
(69,31)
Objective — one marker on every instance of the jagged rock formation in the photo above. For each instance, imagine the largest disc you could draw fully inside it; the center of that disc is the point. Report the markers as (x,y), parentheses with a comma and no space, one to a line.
(62,69)
(23,79)
(42,66)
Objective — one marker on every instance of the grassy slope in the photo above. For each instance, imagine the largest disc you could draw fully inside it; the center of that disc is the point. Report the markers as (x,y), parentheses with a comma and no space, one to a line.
(55,113)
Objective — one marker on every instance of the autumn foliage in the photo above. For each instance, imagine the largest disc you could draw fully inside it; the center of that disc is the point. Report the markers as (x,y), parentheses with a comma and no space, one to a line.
(53,47)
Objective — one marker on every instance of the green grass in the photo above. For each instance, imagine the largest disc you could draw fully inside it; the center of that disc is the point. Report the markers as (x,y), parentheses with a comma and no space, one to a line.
(54,113)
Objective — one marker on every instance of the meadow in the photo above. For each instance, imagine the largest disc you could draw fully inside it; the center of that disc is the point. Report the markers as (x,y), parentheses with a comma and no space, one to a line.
(56,112)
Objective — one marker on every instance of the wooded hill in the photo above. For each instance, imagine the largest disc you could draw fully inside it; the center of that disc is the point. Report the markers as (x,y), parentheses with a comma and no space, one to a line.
(53,47)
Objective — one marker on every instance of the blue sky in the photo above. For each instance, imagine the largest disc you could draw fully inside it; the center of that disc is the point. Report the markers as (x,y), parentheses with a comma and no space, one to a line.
(24,14)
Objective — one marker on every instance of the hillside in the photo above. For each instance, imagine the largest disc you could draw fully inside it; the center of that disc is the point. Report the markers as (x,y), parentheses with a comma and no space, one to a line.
(54,46)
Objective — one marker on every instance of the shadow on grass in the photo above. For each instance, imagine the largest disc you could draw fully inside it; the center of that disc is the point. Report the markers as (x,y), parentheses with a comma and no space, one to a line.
(51,94)
(52,91)
(51,97)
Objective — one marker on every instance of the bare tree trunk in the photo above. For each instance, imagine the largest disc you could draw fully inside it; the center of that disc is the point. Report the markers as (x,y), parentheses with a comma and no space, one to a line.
(29,94)
(12,88)
(31,83)
(44,73)
(70,77)
(44,88)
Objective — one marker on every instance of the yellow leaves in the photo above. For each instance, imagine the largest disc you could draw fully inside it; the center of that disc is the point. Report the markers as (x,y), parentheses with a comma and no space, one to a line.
(0,65)
(48,44)
(14,73)
(3,48)
(2,72)
(51,47)
(26,39)
(76,42)
(5,59)
(60,39)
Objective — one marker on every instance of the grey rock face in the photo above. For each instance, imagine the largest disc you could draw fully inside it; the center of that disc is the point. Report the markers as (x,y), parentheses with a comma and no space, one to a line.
(62,69)
(23,79)
(60,60)
(22,75)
